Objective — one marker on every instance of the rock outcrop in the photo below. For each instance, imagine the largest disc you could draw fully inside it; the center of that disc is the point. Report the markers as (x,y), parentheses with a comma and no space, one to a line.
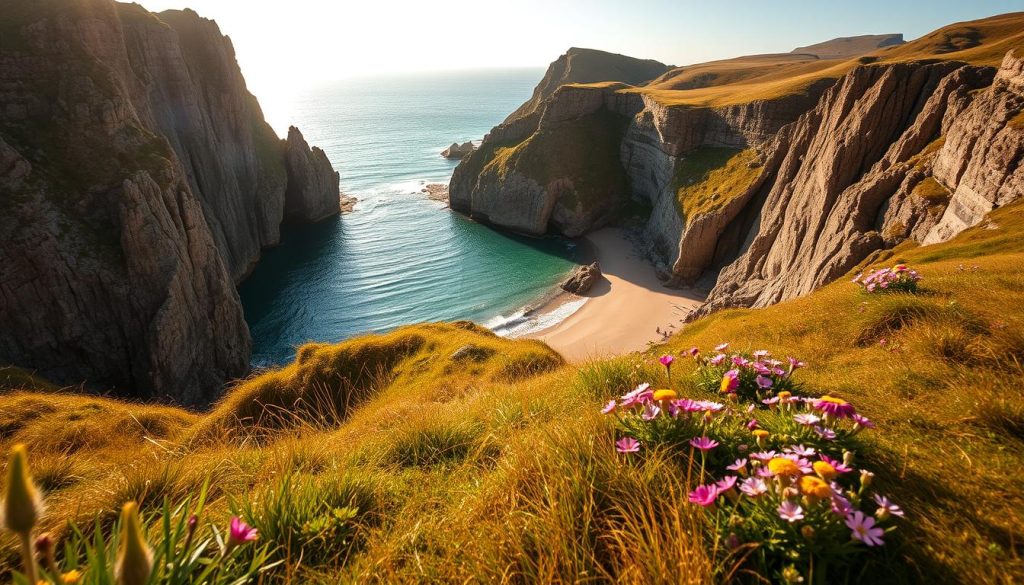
(314,190)
(582,278)
(588,66)
(458,151)
(138,182)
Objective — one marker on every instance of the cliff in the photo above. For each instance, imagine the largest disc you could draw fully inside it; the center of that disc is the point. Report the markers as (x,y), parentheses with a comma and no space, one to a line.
(313,185)
(770,175)
(139,182)
(589,66)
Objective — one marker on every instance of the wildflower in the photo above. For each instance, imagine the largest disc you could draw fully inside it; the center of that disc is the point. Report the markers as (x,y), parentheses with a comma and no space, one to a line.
(886,508)
(783,466)
(785,396)
(840,505)
(814,487)
(834,406)
(763,455)
(722,347)
(824,433)
(666,360)
(71,578)
(839,466)
(795,364)
(687,405)
(738,360)
(771,402)
(801,451)
(650,411)
(717,360)
(764,382)
(608,408)
(704,495)
(740,466)
(825,470)
(661,395)
(753,487)
(761,353)
(807,419)
(791,512)
(761,436)
(240,533)
(694,352)
(704,444)
(807,531)
(638,395)
(627,445)
(730,381)
(861,422)
(710,406)
(725,484)
(863,528)
(791,576)
(134,557)
(752,424)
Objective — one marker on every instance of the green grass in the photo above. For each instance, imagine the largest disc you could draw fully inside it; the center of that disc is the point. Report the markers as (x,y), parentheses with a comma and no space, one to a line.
(709,178)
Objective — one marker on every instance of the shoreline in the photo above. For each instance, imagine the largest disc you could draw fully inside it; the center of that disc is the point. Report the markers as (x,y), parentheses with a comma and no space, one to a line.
(626,311)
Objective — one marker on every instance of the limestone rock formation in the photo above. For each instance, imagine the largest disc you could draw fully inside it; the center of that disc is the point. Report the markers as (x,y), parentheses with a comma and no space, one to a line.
(582,278)
(458,151)
(138,182)
(313,185)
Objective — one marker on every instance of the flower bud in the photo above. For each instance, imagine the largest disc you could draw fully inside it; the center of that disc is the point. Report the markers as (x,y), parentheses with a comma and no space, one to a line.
(134,558)
(791,576)
(865,478)
(882,514)
(732,542)
(847,458)
(22,504)
(807,531)
(45,546)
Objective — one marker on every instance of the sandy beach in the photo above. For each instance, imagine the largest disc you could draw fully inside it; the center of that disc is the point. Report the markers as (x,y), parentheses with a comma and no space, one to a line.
(624,311)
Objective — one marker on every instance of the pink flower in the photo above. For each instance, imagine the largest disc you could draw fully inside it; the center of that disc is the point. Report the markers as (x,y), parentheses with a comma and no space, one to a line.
(839,466)
(638,395)
(608,408)
(763,455)
(764,382)
(863,529)
(761,353)
(824,433)
(725,484)
(801,451)
(807,420)
(862,421)
(687,405)
(650,411)
(722,347)
(889,508)
(710,406)
(738,465)
(666,360)
(240,533)
(795,364)
(840,505)
(703,443)
(753,487)
(753,424)
(791,512)
(718,359)
(704,495)
(627,445)
(694,352)
(833,406)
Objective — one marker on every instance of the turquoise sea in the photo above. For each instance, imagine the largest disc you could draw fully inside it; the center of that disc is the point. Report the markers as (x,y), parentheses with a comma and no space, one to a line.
(399,258)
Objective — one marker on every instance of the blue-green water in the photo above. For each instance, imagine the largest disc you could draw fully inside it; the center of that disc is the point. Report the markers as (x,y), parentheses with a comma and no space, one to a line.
(400,258)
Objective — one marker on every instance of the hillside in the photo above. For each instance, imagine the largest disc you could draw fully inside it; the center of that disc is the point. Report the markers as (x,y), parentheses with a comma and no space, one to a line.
(847,47)
(460,456)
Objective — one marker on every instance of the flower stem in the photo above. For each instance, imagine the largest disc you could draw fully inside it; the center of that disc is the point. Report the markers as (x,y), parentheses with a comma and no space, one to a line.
(29,557)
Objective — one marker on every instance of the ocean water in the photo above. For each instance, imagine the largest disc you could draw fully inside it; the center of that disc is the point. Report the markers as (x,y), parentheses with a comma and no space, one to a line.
(400,258)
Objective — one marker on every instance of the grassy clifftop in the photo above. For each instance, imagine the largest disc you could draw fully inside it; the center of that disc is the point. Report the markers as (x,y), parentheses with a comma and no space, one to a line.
(468,457)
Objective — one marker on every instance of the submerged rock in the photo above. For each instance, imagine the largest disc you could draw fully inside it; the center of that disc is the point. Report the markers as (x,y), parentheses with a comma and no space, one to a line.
(582,278)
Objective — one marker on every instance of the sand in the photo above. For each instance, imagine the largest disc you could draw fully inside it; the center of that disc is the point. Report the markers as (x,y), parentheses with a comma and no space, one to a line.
(624,310)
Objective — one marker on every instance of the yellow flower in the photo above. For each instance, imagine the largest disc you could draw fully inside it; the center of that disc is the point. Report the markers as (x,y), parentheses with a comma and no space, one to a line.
(825,470)
(665,394)
(785,395)
(71,577)
(833,400)
(761,434)
(814,487)
(783,466)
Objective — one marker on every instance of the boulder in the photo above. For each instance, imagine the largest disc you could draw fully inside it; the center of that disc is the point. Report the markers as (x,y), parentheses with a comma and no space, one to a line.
(458,151)
(582,279)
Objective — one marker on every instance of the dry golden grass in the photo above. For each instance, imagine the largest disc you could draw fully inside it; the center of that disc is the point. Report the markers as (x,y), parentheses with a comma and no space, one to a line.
(495,467)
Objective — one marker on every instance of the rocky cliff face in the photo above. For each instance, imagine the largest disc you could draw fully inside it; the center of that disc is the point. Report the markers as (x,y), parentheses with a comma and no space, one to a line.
(765,194)
(313,185)
(138,181)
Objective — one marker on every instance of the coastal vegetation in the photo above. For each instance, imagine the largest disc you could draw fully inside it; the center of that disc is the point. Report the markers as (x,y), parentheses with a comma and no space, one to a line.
(442,452)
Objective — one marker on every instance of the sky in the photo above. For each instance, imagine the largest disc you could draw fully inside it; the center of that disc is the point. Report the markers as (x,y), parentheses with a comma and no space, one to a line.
(284,46)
